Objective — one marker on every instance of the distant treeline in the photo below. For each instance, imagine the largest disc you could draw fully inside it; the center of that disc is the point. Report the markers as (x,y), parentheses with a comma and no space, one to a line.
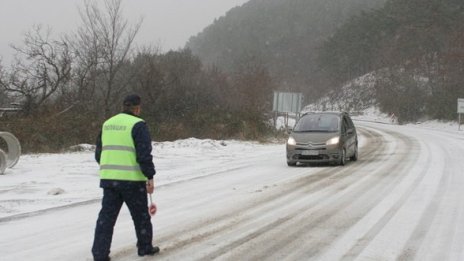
(285,35)
(67,87)
(414,48)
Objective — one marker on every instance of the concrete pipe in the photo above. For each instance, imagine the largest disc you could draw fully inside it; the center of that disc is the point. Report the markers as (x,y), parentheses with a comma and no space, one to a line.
(14,148)
(2,161)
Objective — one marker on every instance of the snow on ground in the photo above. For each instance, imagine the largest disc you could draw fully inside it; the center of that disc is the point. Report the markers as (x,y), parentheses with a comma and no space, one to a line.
(373,114)
(216,194)
(42,181)
(439,125)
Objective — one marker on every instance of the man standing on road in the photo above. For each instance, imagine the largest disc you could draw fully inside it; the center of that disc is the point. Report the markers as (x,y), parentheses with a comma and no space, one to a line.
(126,171)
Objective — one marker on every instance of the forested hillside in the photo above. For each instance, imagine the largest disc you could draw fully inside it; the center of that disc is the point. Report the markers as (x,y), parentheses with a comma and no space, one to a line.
(415,48)
(283,35)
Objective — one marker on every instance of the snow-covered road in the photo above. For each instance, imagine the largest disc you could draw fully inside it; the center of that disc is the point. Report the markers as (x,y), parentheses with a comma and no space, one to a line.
(403,200)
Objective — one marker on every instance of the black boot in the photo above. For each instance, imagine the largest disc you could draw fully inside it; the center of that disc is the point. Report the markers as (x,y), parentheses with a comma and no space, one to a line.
(148,252)
(102,259)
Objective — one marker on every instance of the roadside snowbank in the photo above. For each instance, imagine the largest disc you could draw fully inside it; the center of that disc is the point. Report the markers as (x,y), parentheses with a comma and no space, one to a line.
(43,181)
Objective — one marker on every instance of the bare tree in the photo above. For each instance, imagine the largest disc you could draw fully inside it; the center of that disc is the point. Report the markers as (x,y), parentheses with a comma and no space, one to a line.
(103,47)
(252,85)
(3,97)
(42,67)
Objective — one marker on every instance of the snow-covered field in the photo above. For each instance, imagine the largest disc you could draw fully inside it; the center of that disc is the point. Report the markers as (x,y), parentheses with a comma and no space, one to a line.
(232,200)
(45,181)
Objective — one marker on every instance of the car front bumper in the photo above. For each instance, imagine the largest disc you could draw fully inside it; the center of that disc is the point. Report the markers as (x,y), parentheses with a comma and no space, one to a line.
(324,154)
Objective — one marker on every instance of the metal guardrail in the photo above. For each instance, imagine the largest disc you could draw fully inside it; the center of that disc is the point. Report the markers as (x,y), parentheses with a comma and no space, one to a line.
(9,158)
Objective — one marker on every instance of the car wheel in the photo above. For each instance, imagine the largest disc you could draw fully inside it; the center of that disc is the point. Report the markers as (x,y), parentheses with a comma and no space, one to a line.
(355,154)
(291,163)
(342,157)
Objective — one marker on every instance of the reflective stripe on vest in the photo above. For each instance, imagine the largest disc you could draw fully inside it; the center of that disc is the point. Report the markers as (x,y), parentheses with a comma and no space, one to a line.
(118,159)
(118,167)
(113,147)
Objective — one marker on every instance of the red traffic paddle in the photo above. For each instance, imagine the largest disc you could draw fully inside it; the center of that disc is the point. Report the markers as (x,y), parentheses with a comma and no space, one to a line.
(152,208)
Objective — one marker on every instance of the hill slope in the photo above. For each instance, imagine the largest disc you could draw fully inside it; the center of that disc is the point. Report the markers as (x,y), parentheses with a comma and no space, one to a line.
(414,47)
(283,35)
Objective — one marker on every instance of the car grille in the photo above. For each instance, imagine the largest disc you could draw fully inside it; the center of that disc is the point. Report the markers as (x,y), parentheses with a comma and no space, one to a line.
(310,144)
(319,149)
(305,157)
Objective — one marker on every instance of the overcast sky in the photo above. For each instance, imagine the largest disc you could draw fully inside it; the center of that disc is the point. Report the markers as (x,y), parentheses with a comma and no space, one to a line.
(167,23)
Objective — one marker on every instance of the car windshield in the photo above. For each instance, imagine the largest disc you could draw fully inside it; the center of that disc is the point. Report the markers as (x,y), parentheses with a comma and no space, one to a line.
(318,123)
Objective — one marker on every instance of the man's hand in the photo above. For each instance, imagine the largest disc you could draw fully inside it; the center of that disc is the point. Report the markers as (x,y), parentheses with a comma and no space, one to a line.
(150,186)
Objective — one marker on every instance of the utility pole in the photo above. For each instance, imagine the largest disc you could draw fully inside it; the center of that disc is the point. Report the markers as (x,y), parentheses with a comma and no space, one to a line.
(460,111)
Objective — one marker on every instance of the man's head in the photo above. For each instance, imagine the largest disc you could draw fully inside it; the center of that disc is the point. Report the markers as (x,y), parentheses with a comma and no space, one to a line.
(131,103)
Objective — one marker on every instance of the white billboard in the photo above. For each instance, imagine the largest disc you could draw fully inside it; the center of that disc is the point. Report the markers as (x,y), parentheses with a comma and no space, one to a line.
(460,105)
(287,102)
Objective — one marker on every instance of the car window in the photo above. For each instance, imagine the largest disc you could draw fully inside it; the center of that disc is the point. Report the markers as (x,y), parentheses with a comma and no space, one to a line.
(346,125)
(350,122)
(318,123)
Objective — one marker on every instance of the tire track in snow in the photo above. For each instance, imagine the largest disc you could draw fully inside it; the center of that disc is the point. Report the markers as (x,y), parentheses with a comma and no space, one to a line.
(399,235)
(363,242)
(331,219)
(439,211)
(324,174)
(333,188)
(266,204)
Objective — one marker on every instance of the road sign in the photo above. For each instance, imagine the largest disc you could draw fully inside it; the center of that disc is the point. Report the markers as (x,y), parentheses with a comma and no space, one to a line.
(460,105)
(460,110)
(287,102)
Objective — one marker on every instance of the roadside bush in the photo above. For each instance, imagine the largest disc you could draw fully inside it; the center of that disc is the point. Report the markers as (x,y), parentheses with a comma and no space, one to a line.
(51,134)
(212,125)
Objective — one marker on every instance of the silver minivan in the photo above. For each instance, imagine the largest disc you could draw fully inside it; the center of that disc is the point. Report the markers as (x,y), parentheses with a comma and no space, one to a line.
(323,137)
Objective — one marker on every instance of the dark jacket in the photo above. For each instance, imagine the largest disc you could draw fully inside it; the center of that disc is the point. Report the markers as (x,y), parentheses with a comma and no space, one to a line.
(143,148)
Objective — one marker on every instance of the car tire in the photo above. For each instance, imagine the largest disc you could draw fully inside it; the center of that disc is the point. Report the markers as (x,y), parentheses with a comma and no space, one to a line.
(342,160)
(291,163)
(355,154)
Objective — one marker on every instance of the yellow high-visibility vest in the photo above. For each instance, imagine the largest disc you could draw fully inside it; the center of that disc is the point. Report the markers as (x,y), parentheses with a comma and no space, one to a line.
(118,159)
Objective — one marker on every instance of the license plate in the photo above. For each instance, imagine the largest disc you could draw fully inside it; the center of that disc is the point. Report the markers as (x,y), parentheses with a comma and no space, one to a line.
(310,152)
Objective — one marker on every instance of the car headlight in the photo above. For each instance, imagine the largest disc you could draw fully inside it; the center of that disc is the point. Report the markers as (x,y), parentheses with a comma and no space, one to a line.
(333,141)
(291,141)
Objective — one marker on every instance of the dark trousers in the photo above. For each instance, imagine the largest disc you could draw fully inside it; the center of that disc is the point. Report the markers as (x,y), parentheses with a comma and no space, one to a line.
(135,198)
